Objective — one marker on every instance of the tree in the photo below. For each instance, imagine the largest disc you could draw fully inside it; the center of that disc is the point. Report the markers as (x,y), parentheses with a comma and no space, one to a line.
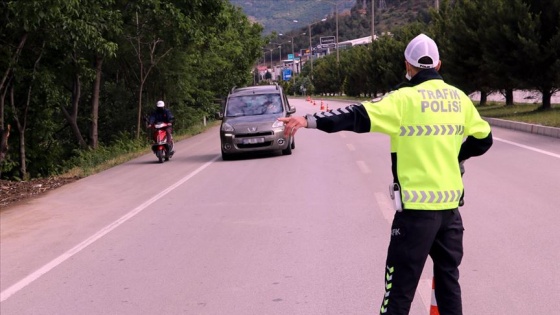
(354,74)
(387,66)
(504,43)
(543,51)
(4,136)
(460,37)
(107,21)
(26,20)
(146,40)
(67,66)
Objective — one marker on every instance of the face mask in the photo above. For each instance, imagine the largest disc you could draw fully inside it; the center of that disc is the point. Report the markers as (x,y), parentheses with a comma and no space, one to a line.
(408,77)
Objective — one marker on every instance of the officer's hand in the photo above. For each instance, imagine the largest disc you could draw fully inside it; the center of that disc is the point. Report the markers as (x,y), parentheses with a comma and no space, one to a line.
(292,124)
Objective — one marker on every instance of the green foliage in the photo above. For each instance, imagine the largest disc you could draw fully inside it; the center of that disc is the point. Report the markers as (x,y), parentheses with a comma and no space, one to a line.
(501,45)
(50,52)
(485,45)
(89,160)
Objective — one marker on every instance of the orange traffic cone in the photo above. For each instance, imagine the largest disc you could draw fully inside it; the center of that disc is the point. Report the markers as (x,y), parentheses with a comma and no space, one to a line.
(327,107)
(322,106)
(314,103)
(308,98)
(433,307)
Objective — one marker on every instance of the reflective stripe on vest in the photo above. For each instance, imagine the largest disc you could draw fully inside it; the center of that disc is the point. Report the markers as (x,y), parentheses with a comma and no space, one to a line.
(423,196)
(432,130)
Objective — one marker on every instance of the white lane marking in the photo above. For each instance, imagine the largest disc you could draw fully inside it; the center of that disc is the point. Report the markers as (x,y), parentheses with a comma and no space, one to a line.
(104,231)
(351,147)
(528,147)
(363,167)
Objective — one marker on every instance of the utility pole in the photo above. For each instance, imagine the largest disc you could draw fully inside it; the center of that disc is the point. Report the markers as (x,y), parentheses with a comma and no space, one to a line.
(310,45)
(310,51)
(336,38)
(372,20)
(337,50)
(293,62)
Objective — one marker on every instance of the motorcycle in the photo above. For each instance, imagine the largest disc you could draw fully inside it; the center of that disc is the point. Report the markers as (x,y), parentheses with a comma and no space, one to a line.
(160,147)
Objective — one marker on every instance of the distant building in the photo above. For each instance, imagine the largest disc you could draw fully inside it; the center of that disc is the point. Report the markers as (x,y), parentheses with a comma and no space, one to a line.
(360,41)
(355,42)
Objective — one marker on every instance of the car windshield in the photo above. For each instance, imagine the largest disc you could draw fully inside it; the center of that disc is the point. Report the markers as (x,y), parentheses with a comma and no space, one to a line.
(251,105)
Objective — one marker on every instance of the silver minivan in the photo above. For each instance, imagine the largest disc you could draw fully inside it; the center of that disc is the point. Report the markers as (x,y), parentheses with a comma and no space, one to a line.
(250,121)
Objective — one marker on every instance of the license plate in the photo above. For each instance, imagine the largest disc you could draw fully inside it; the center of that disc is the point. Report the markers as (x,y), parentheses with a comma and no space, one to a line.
(253,140)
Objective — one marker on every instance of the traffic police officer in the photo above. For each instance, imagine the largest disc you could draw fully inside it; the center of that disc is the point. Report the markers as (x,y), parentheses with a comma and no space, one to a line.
(428,121)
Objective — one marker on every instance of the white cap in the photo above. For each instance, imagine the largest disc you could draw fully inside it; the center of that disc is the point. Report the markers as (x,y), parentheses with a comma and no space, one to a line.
(160,104)
(419,47)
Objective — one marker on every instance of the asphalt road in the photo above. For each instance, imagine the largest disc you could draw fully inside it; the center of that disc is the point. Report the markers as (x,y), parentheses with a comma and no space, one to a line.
(270,234)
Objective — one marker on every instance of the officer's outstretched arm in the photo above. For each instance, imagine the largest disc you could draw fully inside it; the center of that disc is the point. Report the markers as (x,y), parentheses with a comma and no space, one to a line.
(292,124)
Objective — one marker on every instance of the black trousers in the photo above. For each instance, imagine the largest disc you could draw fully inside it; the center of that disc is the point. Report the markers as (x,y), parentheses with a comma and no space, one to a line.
(169,131)
(415,234)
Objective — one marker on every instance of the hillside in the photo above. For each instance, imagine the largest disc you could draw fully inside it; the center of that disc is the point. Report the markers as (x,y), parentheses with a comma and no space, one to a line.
(354,15)
(279,15)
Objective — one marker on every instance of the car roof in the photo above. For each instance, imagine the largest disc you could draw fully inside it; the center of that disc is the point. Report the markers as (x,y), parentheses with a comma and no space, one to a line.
(256,89)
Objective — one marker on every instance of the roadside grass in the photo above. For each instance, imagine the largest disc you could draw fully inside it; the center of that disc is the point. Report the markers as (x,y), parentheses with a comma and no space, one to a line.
(94,161)
(527,113)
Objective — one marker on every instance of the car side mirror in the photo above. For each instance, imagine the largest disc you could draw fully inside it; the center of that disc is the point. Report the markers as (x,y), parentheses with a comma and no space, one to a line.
(219,115)
(291,110)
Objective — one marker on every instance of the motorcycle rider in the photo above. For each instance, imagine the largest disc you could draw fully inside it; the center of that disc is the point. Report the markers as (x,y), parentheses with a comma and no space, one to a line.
(162,114)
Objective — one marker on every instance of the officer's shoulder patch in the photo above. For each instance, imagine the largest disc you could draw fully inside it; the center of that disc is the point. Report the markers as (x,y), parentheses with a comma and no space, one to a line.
(377,99)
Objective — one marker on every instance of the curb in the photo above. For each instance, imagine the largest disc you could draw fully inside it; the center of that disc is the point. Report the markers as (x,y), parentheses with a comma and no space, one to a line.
(525,127)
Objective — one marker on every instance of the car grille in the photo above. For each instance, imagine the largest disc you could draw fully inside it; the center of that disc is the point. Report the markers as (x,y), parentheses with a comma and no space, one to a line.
(252,135)
(255,145)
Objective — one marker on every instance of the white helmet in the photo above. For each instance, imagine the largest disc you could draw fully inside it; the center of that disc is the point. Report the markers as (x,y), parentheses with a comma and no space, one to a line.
(160,104)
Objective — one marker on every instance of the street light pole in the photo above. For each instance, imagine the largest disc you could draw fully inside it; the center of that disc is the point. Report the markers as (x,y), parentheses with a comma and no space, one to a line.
(336,17)
(372,21)
(337,50)
(293,61)
(310,51)
(311,46)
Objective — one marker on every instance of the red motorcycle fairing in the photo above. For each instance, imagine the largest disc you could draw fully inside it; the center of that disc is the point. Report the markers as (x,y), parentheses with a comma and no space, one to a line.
(160,147)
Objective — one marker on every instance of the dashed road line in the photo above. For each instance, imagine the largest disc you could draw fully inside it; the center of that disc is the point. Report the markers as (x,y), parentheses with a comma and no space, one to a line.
(363,167)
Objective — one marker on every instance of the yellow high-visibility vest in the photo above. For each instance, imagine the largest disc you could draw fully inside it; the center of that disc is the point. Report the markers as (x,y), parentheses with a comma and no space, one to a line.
(427,124)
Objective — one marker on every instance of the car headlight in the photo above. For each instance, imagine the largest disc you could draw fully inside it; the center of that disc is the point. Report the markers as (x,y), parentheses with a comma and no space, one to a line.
(278,124)
(227,127)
